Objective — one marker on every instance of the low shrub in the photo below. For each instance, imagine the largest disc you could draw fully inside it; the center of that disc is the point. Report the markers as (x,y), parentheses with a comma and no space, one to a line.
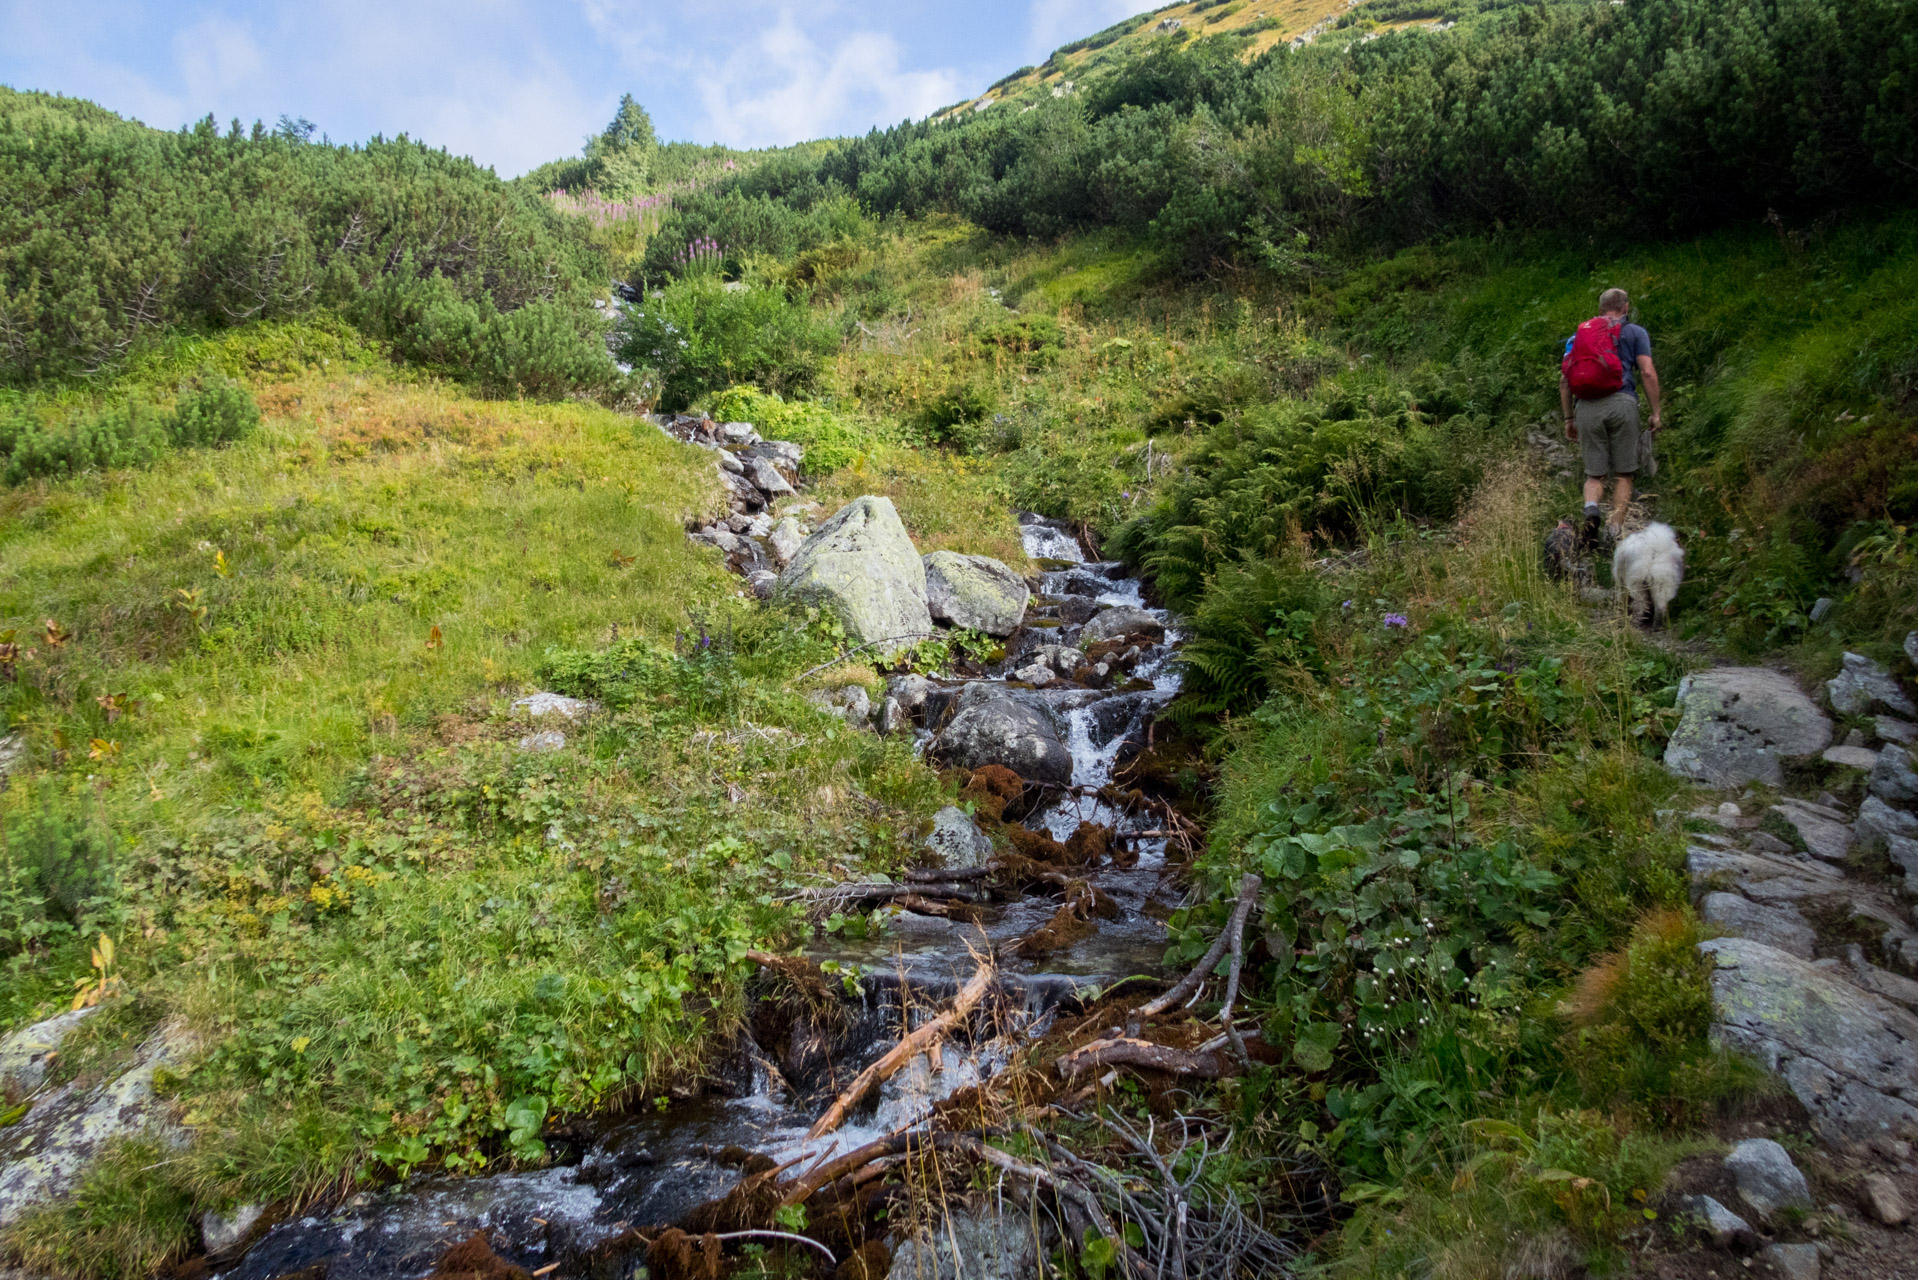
(697,336)
(211,410)
(831,441)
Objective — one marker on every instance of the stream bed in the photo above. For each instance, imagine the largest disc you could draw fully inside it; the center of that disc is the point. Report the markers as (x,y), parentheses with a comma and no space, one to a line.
(653,1166)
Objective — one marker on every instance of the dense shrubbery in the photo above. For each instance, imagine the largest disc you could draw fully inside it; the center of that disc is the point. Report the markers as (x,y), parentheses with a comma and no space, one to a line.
(1670,113)
(696,336)
(212,411)
(112,234)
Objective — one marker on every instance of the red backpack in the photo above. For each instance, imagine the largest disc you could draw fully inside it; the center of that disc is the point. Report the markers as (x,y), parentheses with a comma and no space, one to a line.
(1592,366)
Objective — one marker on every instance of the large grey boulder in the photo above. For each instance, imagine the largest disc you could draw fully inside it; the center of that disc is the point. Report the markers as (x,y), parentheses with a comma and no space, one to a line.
(966,1246)
(862,566)
(1851,1057)
(1862,684)
(1892,779)
(1766,1178)
(1122,620)
(1740,724)
(1004,732)
(1783,926)
(975,591)
(44,1154)
(956,840)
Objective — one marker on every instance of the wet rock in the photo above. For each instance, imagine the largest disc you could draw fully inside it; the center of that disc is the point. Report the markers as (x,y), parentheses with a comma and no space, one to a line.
(1766,1178)
(224,1233)
(1004,732)
(1878,823)
(1036,674)
(1784,927)
(1823,837)
(762,583)
(1851,757)
(766,478)
(1862,684)
(44,1153)
(892,717)
(1122,620)
(1845,1053)
(862,566)
(910,692)
(967,1246)
(975,591)
(781,453)
(542,704)
(1074,610)
(1740,724)
(745,494)
(1891,729)
(956,840)
(785,540)
(760,526)
(1879,1196)
(1792,1261)
(545,740)
(1892,778)
(26,1054)
(1726,1229)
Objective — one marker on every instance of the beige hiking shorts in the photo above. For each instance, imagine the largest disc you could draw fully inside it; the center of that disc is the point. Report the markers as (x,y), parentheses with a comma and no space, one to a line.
(1608,434)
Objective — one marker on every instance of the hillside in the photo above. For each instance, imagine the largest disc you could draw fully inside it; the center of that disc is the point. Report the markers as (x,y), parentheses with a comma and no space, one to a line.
(489,757)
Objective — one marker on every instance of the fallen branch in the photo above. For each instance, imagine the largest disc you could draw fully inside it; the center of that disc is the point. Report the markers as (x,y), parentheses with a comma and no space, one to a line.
(905,1051)
(945,875)
(882,891)
(772,1235)
(1127,1052)
(964,912)
(1249,886)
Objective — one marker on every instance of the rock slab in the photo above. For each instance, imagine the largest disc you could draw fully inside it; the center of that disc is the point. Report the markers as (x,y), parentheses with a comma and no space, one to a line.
(1784,927)
(44,1154)
(1851,1057)
(1726,1229)
(1740,724)
(965,1246)
(1793,1261)
(1881,1199)
(862,566)
(975,591)
(1892,777)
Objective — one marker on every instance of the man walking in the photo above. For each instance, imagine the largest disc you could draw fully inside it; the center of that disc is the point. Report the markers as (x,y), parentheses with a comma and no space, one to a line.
(1603,364)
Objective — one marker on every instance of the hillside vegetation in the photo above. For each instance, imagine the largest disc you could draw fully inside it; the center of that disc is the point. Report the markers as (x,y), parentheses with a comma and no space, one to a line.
(1278,326)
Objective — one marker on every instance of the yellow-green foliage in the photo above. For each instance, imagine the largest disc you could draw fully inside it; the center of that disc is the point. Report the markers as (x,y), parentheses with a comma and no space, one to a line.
(831,441)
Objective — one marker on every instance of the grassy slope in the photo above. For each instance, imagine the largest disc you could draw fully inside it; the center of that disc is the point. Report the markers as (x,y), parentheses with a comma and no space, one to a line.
(377,909)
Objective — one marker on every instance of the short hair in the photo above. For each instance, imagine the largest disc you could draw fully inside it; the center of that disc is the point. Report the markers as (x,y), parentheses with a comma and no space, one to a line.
(1614,300)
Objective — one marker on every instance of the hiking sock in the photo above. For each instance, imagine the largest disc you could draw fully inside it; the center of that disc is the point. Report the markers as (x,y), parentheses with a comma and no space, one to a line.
(1593,517)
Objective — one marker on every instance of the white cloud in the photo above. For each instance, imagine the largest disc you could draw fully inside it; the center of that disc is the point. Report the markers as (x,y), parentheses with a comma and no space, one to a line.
(785,87)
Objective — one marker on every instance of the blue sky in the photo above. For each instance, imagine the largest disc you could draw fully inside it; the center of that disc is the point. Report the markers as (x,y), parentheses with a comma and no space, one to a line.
(516,82)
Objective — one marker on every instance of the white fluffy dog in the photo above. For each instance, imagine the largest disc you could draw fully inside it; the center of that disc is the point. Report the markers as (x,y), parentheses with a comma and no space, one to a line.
(1648,566)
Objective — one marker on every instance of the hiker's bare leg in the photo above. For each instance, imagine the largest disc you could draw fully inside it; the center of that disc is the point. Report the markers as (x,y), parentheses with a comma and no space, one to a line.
(1621,503)
(1594,490)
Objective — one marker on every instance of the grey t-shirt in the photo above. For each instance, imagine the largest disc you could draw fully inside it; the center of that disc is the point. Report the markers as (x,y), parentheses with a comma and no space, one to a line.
(1632,343)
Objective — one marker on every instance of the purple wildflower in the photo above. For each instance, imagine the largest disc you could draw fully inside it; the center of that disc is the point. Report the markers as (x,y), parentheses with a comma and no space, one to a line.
(1397,620)
(1346,605)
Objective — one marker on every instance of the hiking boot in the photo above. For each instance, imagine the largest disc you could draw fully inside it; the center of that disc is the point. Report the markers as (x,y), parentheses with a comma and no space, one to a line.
(1588,532)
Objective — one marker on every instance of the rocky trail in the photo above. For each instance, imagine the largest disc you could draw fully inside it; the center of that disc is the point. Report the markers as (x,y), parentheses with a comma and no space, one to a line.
(1809,875)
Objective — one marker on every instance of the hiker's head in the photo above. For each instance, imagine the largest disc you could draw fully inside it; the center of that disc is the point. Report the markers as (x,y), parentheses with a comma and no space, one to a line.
(1614,302)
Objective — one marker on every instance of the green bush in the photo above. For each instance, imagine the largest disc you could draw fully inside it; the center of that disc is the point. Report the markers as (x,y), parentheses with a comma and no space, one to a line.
(1255,622)
(542,351)
(697,336)
(61,872)
(218,411)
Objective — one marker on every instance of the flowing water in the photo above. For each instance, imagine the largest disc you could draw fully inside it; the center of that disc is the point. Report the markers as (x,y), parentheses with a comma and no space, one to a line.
(654,1166)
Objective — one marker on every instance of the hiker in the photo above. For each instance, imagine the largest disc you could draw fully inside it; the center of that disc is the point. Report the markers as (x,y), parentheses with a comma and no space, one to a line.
(1603,364)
